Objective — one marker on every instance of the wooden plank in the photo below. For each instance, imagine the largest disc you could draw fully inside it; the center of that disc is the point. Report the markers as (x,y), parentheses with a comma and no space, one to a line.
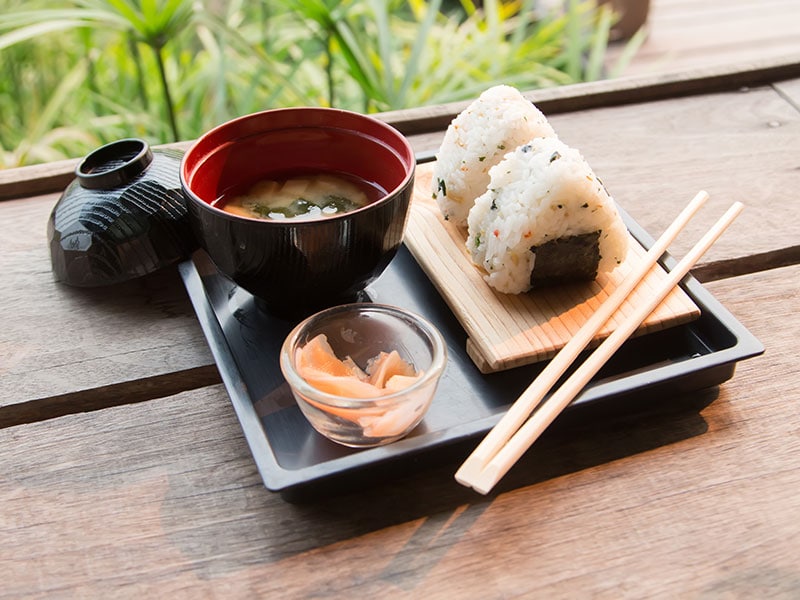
(790,90)
(683,35)
(65,349)
(163,498)
(37,179)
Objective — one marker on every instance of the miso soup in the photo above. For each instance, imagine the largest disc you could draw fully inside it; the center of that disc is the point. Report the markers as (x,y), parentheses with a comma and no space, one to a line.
(303,196)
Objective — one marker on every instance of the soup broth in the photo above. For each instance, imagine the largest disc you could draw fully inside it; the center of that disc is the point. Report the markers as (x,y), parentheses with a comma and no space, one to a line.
(303,196)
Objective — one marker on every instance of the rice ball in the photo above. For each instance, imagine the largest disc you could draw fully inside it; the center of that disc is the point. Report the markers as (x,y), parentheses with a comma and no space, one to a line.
(545,219)
(477,139)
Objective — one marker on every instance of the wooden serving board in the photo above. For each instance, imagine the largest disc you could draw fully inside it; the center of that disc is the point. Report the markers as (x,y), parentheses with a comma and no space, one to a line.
(506,331)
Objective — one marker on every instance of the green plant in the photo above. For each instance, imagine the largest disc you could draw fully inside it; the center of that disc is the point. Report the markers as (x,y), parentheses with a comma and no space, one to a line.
(90,71)
(411,53)
(587,31)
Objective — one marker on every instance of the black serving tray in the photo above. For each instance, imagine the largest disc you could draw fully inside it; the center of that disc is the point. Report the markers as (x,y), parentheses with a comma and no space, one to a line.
(296,461)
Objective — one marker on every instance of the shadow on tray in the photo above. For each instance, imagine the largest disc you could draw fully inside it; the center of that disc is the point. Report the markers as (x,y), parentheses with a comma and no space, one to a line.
(576,441)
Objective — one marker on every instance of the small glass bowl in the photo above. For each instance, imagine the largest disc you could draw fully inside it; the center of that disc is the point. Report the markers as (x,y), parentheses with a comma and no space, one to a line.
(362,331)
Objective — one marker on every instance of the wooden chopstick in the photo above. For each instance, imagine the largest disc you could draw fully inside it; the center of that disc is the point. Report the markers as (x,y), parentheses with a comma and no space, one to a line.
(516,446)
(530,398)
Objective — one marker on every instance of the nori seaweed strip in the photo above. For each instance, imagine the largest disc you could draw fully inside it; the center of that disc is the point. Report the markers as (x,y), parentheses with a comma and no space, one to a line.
(566,259)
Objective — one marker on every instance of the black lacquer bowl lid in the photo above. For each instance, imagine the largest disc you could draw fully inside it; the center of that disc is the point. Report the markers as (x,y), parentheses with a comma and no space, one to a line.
(122,217)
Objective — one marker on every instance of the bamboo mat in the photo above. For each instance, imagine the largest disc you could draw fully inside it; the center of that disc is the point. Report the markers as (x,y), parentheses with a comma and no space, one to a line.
(506,331)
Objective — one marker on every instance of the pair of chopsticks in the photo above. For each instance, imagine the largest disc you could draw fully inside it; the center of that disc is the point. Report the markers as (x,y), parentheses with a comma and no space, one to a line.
(519,429)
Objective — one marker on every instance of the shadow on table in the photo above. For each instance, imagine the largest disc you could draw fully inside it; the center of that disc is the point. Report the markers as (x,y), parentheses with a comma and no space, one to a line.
(274,529)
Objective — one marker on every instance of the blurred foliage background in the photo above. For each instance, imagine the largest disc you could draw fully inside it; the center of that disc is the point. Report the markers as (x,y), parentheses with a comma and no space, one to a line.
(75,75)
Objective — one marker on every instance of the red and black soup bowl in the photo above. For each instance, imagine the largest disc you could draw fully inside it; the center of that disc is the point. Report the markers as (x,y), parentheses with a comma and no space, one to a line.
(298,266)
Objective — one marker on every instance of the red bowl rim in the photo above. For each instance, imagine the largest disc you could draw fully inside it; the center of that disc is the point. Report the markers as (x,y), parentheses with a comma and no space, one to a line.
(407,159)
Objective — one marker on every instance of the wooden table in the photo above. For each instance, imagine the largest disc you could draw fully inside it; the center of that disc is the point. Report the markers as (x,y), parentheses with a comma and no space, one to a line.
(125,472)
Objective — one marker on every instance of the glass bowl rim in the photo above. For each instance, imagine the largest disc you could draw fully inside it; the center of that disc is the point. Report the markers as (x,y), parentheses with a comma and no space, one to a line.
(295,381)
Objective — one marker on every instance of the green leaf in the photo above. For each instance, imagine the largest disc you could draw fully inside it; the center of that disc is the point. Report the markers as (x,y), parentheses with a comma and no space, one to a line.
(32,32)
(628,52)
(599,43)
(47,119)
